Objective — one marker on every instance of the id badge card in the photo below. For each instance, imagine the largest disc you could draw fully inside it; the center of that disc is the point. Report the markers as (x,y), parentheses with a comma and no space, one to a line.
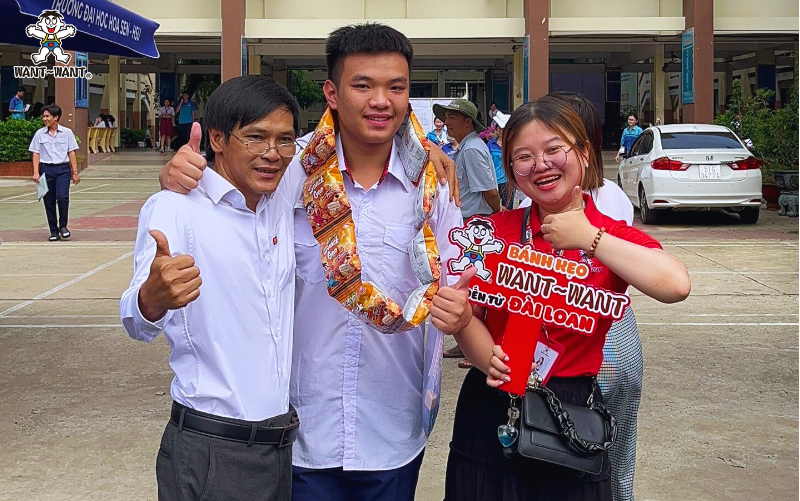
(546,357)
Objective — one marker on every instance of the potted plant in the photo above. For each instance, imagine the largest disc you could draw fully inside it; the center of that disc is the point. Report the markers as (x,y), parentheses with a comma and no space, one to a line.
(15,138)
(774,135)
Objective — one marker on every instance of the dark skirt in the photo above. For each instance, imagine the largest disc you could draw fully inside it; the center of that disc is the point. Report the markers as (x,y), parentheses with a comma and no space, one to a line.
(166,128)
(477,469)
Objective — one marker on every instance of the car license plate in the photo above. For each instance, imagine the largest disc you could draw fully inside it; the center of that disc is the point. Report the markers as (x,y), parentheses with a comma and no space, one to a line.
(709,171)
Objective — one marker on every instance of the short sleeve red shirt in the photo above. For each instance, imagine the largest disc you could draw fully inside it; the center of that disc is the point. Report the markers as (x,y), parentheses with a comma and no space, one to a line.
(582,354)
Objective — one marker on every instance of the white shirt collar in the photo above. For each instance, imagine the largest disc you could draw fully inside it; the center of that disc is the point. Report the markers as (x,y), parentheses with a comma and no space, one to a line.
(396,168)
(217,187)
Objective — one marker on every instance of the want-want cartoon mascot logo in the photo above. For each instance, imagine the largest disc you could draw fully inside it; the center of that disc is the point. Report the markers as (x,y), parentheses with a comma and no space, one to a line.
(50,29)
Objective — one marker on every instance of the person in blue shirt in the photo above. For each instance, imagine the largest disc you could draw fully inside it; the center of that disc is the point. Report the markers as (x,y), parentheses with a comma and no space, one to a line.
(496,149)
(16,106)
(185,111)
(629,135)
(438,135)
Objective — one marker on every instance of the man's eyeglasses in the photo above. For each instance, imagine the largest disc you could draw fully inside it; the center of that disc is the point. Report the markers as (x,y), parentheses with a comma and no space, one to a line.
(554,156)
(260,148)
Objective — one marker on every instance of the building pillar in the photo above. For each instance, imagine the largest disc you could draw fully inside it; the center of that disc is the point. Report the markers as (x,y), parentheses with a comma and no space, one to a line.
(719,76)
(519,79)
(441,87)
(537,28)
(233,16)
(659,85)
(728,85)
(280,73)
(137,104)
(253,62)
(699,14)
(112,89)
(74,118)
(39,91)
(122,92)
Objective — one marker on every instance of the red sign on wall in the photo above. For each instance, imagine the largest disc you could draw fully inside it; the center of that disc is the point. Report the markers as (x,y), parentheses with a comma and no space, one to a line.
(534,287)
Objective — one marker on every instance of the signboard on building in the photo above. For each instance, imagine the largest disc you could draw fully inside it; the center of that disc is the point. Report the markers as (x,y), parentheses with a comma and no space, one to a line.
(82,83)
(687,67)
(526,63)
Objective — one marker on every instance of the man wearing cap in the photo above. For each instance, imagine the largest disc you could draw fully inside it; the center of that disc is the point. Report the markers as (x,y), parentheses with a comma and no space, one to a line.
(476,177)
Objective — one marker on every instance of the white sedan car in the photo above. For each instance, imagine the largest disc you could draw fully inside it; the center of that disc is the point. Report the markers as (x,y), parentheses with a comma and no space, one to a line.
(691,166)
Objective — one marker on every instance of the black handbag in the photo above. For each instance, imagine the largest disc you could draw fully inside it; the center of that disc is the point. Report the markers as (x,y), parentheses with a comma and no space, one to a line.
(568,435)
(565,434)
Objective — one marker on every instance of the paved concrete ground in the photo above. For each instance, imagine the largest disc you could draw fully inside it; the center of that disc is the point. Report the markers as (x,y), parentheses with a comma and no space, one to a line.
(82,406)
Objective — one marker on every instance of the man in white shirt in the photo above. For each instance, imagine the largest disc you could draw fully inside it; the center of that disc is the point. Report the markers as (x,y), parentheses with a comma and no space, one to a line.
(231,428)
(367,400)
(53,150)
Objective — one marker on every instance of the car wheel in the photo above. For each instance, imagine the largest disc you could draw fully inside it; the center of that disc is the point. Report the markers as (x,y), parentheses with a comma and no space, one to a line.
(749,215)
(648,215)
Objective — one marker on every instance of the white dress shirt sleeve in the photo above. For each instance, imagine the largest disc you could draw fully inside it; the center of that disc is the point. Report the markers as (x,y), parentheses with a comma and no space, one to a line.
(158,213)
(72,144)
(444,218)
(35,143)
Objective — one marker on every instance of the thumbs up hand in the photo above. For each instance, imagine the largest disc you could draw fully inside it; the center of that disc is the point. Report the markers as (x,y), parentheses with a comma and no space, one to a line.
(451,311)
(569,229)
(174,281)
(185,169)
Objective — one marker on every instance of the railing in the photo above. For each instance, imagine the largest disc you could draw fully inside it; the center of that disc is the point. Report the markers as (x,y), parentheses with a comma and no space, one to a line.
(102,139)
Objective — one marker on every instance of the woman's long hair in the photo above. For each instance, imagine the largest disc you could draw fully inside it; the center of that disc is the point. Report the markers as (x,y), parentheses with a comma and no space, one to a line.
(558,116)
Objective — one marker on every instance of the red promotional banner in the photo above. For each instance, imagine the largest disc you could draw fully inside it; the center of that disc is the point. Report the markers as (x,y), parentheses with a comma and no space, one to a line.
(534,287)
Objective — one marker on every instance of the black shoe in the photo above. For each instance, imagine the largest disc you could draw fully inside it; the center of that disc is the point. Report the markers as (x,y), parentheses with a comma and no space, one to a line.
(65,233)
(54,237)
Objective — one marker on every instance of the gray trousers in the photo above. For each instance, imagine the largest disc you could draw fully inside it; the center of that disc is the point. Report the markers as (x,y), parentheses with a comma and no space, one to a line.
(191,466)
(620,380)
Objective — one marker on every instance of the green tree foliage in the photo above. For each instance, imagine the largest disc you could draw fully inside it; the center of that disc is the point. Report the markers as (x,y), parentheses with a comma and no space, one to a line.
(304,89)
(15,138)
(774,133)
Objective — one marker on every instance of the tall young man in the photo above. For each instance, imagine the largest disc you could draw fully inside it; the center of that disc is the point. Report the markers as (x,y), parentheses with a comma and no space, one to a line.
(360,393)
(231,428)
(53,152)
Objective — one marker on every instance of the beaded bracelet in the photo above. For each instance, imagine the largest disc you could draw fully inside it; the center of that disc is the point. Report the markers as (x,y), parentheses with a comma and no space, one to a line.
(596,241)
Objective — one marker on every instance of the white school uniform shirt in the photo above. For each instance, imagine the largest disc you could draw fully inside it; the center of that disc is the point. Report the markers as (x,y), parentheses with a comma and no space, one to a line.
(232,346)
(359,393)
(609,199)
(53,148)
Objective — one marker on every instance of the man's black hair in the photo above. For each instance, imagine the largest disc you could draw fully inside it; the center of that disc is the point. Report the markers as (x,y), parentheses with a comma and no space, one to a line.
(480,222)
(21,89)
(53,109)
(493,103)
(364,38)
(245,100)
(632,115)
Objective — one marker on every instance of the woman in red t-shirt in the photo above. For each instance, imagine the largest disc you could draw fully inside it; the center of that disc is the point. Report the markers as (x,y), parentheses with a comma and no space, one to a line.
(546,155)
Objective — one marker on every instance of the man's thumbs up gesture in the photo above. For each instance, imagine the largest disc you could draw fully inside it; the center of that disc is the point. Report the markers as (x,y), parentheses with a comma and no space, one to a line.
(185,169)
(451,311)
(174,281)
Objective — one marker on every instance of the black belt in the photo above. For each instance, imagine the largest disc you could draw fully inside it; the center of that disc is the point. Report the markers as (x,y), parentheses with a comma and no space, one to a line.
(53,165)
(247,432)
